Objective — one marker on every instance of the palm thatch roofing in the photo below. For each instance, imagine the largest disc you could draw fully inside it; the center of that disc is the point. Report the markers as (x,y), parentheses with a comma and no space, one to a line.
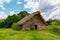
(22,21)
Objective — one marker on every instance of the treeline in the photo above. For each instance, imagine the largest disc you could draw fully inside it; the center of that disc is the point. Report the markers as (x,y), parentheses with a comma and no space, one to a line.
(53,22)
(7,23)
(54,26)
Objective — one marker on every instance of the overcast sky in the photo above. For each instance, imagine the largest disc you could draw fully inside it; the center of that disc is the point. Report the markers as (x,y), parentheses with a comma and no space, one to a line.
(48,8)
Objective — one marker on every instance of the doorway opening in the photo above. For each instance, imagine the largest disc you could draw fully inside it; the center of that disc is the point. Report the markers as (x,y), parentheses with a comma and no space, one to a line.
(35,27)
(21,27)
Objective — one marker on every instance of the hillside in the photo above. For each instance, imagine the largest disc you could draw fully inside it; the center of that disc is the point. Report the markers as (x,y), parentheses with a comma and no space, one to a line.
(52,32)
(9,34)
(47,34)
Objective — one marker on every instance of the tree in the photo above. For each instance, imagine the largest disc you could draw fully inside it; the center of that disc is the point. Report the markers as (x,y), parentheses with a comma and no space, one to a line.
(49,21)
(22,14)
(10,20)
(7,23)
(1,23)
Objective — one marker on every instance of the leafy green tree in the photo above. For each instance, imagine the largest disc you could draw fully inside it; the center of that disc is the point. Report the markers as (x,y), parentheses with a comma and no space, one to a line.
(22,14)
(1,20)
(2,23)
(7,23)
(10,20)
(49,21)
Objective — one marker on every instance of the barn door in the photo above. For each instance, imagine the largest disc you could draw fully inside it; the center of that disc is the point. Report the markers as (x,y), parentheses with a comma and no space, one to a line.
(21,27)
(35,27)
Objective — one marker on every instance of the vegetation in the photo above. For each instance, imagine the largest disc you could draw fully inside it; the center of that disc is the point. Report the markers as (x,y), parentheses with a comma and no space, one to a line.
(22,14)
(56,30)
(53,22)
(32,26)
(9,34)
(49,22)
(15,26)
(7,23)
(52,32)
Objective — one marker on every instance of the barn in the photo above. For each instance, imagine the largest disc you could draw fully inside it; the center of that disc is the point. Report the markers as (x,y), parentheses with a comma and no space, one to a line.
(33,21)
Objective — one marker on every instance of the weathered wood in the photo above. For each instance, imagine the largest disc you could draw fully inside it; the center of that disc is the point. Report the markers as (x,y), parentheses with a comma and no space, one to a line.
(34,20)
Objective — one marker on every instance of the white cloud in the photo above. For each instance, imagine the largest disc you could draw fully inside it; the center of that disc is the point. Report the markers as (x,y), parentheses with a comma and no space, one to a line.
(3,15)
(12,13)
(2,7)
(55,2)
(33,4)
(54,13)
(50,8)
(44,16)
(19,2)
(7,1)
(28,0)
(2,3)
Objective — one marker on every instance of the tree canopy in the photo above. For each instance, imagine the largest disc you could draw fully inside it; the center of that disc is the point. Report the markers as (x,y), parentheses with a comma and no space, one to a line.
(13,19)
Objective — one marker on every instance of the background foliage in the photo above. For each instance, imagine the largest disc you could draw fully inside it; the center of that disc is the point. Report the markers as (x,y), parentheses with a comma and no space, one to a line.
(7,23)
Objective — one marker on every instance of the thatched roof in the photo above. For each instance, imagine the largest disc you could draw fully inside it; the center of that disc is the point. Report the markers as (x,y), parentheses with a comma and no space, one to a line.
(22,21)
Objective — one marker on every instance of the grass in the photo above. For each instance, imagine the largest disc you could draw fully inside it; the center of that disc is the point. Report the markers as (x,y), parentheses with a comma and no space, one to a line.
(9,34)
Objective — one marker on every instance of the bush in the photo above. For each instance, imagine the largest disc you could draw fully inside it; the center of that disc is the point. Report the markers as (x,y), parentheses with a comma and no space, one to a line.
(15,26)
(56,30)
(32,25)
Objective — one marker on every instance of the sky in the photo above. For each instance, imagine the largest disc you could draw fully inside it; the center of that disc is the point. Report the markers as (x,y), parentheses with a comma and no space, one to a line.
(50,9)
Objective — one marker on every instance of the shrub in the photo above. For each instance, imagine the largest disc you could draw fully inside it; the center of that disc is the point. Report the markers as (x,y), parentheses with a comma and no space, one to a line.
(15,26)
(32,25)
(56,30)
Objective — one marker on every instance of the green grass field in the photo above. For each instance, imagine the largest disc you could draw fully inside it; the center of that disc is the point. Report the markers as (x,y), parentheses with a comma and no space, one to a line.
(9,34)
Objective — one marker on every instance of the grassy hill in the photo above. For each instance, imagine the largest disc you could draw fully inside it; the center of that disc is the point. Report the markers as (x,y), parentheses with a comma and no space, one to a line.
(47,34)
(9,34)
